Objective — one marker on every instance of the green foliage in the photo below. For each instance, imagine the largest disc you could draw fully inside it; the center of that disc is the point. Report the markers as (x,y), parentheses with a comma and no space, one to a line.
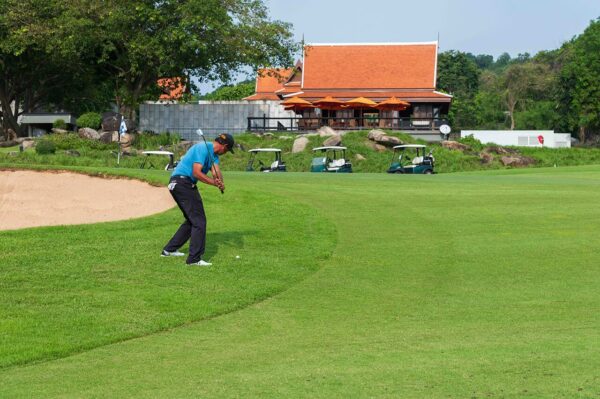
(230,93)
(457,74)
(92,120)
(45,147)
(579,87)
(471,142)
(539,115)
(151,141)
(71,141)
(59,124)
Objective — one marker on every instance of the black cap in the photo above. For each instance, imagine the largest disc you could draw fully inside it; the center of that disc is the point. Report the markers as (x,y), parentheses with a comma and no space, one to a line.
(226,139)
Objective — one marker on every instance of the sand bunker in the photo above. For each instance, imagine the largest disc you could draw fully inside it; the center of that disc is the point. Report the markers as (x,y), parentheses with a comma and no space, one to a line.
(29,199)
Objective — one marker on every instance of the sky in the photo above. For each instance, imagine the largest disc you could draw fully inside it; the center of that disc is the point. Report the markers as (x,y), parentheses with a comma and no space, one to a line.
(480,27)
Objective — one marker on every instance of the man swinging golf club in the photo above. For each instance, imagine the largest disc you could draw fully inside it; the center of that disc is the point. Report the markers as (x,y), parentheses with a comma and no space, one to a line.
(193,167)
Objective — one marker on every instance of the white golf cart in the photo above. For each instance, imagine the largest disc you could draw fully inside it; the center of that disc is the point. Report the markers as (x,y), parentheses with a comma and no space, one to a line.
(276,166)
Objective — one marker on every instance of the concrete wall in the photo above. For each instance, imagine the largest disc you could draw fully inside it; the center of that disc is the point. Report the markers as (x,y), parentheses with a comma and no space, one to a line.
(212,117)
(522,138)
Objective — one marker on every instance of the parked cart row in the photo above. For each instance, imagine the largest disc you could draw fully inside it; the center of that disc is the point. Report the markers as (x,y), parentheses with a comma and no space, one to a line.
(406,159)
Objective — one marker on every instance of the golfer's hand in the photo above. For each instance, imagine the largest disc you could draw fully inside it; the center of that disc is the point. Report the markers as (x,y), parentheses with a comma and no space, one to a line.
(219,184)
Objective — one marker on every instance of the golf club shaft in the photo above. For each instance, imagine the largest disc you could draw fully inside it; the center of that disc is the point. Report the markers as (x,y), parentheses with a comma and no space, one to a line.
(211,159)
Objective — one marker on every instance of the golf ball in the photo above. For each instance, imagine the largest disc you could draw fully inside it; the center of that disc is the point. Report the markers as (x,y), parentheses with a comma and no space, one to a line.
(237,256)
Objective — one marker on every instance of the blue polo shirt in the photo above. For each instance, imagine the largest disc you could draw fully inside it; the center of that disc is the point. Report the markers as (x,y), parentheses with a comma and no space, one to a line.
(196,154)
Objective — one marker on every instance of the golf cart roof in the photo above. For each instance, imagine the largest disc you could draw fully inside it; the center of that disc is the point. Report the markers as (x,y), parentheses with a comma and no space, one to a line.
(329,148)
(265,150)
(409,146)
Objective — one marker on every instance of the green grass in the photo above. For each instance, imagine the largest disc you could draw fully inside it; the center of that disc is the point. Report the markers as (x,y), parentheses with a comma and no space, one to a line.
(366,285)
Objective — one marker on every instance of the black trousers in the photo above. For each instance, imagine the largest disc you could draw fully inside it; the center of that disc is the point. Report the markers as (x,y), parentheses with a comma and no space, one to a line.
(193,228)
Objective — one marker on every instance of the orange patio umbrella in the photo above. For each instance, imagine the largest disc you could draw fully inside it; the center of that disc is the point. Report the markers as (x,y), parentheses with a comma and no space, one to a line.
(361,103)
(329,103)
(296,104)
(393,104)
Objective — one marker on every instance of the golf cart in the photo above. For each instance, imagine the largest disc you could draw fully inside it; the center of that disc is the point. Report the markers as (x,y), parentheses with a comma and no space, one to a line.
(420,163)
(332,160)
(276,166)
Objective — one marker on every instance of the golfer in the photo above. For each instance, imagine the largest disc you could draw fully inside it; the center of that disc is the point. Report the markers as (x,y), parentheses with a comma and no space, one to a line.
(195,165)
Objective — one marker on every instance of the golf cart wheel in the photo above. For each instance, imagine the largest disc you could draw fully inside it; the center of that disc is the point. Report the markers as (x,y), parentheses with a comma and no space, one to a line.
(399,172)
(428,172)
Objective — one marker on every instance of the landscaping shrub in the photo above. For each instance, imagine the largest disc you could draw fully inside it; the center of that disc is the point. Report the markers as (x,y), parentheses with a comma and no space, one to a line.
(59,124)
(72,141)
(471,142)
(44,147)
(92,120)
(152,141)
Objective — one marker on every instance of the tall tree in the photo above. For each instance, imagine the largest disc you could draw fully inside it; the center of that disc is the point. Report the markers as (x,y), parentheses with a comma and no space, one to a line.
(522,82)
(45,48)
(579,82)
(209,39)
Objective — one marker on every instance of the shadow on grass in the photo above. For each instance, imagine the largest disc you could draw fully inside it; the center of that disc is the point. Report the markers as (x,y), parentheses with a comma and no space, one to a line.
(225,239)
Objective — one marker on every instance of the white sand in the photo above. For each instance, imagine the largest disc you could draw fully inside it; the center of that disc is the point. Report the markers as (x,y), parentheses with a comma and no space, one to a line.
(29,199)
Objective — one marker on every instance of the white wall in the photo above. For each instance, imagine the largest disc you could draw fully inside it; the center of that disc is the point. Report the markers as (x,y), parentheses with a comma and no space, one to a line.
(521,138)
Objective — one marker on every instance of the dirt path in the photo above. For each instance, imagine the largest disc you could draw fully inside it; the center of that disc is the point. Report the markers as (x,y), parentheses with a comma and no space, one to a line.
(29,199)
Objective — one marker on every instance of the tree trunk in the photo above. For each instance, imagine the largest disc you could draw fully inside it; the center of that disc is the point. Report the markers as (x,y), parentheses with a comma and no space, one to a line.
(582,134)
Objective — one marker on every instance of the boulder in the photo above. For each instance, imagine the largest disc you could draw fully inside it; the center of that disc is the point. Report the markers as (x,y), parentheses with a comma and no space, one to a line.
(9,143)
(299,144)
(326,131)
(27,144)
(375,134)
(359,157)
(486,158)
(106,137)
(517,160)
(59,131)
(496,149)
(455,145)
(111,121)
(12,135)
(88,133)
(389,141)
(333,140)
(375,146)
(126,141)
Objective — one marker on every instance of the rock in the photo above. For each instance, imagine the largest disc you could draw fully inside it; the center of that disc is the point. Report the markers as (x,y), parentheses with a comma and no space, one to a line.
(375,146)
(326,131)
(486,158)
(360,157)
(126,141)
(22,139)
(285,137)
(375,134)
(389,141)
(27,144)
(455,145)
(88,133)
(496,149)
(517,160)
(72,153)
(299,144)
(111,121)
(333,141)
(106,137)
(12,135)
(9,143)
(59,131)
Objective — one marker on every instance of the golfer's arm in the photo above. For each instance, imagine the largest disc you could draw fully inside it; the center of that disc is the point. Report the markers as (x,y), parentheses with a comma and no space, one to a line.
(216,172)
(197,171)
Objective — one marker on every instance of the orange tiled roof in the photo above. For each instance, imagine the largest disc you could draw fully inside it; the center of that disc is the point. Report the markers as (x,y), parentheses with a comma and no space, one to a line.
(268,81)
(375,95)
(173,88)
(375,66)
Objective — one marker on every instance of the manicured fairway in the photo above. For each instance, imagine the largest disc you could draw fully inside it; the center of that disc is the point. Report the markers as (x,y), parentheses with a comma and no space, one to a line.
(457,285)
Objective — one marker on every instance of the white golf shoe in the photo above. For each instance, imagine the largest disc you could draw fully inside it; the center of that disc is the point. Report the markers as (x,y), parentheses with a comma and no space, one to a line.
(174,253)
(200,263)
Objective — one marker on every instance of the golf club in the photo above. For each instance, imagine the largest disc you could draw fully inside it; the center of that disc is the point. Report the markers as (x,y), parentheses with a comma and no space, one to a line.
(200,133)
